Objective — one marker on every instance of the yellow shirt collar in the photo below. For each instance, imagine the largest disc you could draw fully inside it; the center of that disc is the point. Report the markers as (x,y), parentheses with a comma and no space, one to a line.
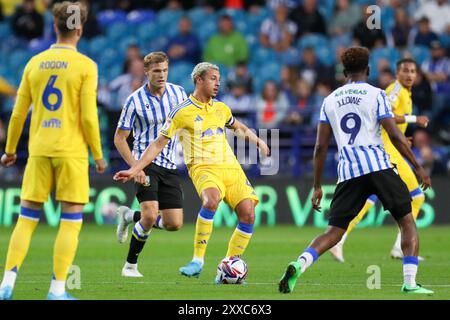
(200,104)
(63,46)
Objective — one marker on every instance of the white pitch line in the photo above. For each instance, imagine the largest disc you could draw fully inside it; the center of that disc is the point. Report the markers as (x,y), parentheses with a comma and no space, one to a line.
(247,284)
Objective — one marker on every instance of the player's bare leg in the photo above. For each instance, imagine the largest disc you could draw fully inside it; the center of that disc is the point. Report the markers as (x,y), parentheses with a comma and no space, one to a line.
(170,219)
(211,198)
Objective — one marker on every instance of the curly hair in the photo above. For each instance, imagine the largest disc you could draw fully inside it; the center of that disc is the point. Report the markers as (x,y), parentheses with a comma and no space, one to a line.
(355,59)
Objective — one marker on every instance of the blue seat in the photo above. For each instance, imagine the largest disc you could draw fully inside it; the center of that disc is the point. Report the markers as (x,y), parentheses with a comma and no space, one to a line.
(38,45)
(290,57)
(390,54)
(107,18)
(445,39)
(263,55)
(167,17)
(5,30)
(326,56)
(387,18)
(158,44)
(110,57)
(147,31)
(420,54)
(113,72)
(98,44)
(313,40)
(180,71)
(141,16)
(206,31)
(18,60)
(118,31)
(126,42)
(269,71)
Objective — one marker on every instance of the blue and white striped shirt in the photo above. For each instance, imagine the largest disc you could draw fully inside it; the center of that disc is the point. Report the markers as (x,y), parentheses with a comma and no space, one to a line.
(354,112)
(145,114)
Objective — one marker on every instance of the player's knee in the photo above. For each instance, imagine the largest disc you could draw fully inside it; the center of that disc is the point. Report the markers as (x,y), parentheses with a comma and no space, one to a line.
(172,226)
(211,203)
(247,217)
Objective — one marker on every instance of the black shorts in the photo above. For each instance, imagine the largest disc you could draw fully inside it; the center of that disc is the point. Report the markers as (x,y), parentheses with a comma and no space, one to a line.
(165,187)
(351,195)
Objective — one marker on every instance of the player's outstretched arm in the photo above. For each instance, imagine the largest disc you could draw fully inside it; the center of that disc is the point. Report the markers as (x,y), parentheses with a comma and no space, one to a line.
(150,153)
(401,144)
(242,131)
(324,133)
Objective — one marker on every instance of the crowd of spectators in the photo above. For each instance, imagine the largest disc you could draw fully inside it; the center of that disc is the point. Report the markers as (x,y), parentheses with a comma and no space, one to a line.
(285,88)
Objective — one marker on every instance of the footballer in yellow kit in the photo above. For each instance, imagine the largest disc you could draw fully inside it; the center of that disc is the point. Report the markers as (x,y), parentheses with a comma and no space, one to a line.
(399,94)
(200,123)
(59,85)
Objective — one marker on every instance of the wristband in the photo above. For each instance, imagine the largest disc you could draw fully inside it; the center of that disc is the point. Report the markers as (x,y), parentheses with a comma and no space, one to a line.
(410,119)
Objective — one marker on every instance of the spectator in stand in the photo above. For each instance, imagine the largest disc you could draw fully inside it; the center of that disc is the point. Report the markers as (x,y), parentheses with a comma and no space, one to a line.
(422,95)
(399,36)
(323,90)
(424,35)
(345,17)
(91,28)
(184,47)
(288,77)
(311,68)
(271,106)
(437,70)
(127,83)
(365,37)
(27,22)
(278,33)
(437,11)
(385,78)
(308,18)
(426,154)
(241,74)
(133,53)
(240,101)
(228,46)
(302,105)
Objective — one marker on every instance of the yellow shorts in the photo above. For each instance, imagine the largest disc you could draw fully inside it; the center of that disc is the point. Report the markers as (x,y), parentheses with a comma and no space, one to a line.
(406,173)
(231,182)
(68,174)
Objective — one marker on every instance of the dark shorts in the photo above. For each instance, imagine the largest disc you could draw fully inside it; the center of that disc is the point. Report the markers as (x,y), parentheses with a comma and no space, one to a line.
(351,195)
(165,187)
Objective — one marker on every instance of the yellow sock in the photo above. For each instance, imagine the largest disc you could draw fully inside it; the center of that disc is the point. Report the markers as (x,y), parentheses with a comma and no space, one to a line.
(21,238)
(240,239)
(416,204)
(203,230)
(66,244)
(369,204)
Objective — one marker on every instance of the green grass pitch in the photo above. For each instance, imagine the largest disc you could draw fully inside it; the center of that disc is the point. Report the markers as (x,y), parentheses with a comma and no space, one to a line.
(101,258)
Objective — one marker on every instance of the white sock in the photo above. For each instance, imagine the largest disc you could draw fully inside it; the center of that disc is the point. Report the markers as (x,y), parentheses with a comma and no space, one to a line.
(57,287)
(398,242)
(159,222)
(307,258)
(409,274)
(199,260)
(344,237)
(132,266)
(9,279)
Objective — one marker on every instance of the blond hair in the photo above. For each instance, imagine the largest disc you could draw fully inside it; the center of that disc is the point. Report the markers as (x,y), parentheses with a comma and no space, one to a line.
(200,70)
(154,57)
(63,15)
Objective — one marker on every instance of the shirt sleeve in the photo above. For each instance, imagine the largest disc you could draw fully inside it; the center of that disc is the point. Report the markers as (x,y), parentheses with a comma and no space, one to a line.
(172,125)
(384,109)
(20,112)
(128,115)
(89,113)
(229,117)
(323,118)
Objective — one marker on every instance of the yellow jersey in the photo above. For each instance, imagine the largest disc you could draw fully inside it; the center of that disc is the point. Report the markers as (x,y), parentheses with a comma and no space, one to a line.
(60,85)
(401,103)
(201,129)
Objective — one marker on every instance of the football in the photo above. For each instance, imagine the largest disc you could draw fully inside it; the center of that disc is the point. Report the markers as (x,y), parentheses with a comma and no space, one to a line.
(232,270)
